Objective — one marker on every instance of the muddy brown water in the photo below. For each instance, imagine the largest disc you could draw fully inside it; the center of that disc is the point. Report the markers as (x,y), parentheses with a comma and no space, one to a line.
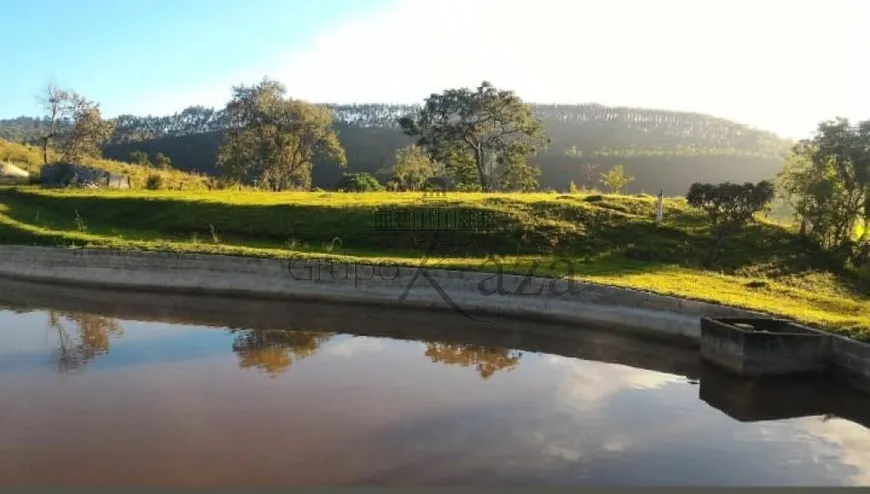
(100,388)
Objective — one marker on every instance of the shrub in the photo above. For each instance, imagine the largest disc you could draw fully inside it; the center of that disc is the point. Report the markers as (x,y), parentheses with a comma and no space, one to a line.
(572,188)
(616,179)
(394,185)
(139,158)
(729,206)
(467,187)
(154,182)
(359,182)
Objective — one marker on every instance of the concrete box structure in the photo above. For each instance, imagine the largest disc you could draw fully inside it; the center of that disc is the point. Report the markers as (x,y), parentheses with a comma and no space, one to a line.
(755,347)
(852,361)
(71,175)
(780,398)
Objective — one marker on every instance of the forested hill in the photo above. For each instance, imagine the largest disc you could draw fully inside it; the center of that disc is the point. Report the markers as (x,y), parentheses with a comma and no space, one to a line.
(662,149)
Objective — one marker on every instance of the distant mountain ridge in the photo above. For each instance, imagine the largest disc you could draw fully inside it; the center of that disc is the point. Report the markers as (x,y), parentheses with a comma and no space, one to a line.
(663,149)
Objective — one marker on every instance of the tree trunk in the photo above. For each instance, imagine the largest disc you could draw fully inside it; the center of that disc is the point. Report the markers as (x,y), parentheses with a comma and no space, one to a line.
(720,238)
(480,157)
(45,149)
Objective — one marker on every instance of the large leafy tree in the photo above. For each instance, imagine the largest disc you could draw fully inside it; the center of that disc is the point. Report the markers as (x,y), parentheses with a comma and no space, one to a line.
(271,139)
(72,124)
(88,133)
(729,206)
(273,352)
(827,181)
(487,361)
(487,128)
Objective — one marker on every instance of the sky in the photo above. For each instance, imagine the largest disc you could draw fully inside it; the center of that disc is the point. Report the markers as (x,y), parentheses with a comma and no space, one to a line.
(779,65)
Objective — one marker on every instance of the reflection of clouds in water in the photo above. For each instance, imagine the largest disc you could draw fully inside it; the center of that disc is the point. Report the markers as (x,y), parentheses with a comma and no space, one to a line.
(616,444)
(582,399)
(836,451)
(586,384)
(555,422)
(351,345)
(607,419)
(18,329)
(841,443)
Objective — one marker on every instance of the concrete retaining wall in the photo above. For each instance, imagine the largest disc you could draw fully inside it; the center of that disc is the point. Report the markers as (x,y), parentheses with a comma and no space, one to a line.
(474,293)
(395,322)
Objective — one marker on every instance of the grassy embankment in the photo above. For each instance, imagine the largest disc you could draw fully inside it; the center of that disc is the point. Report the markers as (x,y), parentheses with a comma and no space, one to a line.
(609,239)
(30,159)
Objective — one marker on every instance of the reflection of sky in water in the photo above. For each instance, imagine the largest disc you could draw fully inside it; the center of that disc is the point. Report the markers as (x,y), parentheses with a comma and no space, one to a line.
(383,412)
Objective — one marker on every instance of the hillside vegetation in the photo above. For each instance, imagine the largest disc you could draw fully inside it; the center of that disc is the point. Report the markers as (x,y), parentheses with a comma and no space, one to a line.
(29,158)
(662,149)
(607,238)
(714,245)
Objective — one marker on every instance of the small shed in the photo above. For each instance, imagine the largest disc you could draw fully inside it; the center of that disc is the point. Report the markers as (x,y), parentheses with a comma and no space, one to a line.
(72,175)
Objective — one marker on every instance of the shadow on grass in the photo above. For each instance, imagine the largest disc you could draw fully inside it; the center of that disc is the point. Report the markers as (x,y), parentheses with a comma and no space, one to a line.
(505,231)
(609,236)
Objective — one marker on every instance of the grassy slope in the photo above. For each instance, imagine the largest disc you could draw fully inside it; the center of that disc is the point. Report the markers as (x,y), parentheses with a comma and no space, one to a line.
(609,239)
(30,159)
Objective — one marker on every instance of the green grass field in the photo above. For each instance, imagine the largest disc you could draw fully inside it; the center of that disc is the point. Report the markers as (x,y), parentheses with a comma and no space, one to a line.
(608,239)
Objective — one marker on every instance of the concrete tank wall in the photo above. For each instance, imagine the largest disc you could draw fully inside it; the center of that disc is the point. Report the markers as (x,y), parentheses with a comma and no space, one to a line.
(474,293)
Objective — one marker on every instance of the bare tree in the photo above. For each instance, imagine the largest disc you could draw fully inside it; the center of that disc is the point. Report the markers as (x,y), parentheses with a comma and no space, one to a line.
(589,175)
(56,103)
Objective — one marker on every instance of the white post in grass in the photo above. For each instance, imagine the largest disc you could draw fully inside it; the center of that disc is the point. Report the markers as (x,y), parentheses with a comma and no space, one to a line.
(659,207)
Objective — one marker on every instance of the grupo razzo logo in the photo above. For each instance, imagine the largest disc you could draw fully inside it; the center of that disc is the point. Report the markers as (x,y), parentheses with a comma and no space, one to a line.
(492,282)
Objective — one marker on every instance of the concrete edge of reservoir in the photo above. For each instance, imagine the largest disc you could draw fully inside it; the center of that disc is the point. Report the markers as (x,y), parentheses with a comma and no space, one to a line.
(475,294)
